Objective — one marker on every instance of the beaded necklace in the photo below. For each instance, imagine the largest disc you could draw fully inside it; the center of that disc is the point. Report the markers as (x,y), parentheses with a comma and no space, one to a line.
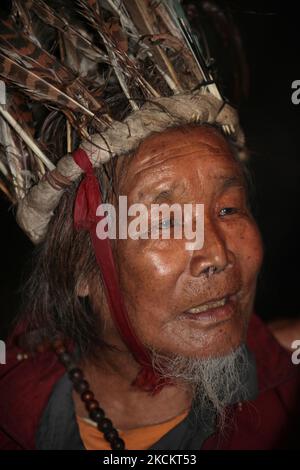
(82,387)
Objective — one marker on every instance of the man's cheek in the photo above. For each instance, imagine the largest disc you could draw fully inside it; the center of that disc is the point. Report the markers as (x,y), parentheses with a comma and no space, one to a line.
(252,260)
(246,244)
(164,265)
(155,264)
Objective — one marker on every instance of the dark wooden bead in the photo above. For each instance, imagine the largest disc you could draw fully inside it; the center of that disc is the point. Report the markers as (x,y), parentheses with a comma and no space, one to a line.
(91,405)
(58,343)
(117,444)
(42,347)
(81,386)
(60,350)
(97,414)
(76,374)
(87,396)
(105,425)
(111,435)
(65,358)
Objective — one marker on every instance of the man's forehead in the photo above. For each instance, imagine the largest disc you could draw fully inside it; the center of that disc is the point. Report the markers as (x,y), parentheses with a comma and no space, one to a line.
(179,153)
(179,141)
(182,190)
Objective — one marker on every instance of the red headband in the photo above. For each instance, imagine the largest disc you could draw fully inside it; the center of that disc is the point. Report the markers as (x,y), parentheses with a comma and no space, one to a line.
(88,199)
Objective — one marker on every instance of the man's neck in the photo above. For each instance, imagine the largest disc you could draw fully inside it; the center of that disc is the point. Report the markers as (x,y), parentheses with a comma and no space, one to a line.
(110,377)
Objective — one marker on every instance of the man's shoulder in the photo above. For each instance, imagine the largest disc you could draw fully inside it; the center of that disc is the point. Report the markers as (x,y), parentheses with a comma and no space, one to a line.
(274,363)
(25,388)
(271,420)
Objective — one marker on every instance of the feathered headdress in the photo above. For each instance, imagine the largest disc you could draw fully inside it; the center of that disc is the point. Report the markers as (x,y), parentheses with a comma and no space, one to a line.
(105,74)
(102,76)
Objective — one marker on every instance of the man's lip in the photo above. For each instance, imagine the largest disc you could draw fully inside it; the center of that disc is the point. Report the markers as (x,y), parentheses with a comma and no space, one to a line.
(219,309)
(210,304)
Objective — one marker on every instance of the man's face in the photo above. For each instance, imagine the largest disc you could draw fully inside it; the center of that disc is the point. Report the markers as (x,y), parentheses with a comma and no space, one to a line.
(163,283)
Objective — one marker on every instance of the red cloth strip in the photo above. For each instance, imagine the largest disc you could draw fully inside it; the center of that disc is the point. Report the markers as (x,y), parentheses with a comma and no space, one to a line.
(88,199)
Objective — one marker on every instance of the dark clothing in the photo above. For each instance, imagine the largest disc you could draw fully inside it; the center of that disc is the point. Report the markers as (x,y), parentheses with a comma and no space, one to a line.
(53,433)
(37,410)
(189,434)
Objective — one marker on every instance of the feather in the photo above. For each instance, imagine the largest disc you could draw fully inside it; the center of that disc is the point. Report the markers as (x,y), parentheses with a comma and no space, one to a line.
(12,161)
(37,87)
(177,13)
(74,32)
(21,15)
(21,164)
(42,76)
(3,168)
(6,191)
(145,22)
(77,65)
(124,67)
(119,10)
(15,154)
(28,140)
(22,111)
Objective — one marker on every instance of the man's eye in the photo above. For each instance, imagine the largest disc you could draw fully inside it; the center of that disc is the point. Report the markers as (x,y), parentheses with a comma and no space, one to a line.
(228,211)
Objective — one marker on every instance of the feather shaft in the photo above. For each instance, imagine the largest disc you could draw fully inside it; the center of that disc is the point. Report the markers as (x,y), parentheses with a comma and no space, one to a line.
(27,139)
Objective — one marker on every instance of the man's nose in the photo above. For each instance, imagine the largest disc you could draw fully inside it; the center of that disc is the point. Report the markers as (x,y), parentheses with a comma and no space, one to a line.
(214,256)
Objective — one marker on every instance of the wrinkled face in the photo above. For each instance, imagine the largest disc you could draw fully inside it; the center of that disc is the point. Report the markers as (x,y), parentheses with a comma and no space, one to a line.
(195,303)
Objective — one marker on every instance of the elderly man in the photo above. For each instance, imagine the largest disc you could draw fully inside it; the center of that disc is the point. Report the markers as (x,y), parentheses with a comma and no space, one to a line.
(147,341)
(192,309)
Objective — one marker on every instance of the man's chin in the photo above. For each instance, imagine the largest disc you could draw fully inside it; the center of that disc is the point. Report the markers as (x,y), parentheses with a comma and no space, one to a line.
(216,347)
(196,343)
(224,339)
(214,381)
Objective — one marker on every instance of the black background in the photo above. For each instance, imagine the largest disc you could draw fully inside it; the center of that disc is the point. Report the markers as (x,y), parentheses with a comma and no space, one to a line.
(270,32)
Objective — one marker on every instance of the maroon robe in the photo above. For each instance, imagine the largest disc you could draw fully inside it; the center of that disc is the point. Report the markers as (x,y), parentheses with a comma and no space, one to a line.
(271,421)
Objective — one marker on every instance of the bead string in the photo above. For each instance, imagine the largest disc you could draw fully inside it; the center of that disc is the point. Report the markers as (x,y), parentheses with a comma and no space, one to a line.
(82,387)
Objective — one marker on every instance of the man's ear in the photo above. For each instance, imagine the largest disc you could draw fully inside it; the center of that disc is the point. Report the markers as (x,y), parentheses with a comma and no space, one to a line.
(82,289)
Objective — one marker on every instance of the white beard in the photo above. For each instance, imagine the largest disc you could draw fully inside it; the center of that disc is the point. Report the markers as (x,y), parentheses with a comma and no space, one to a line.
(214,382)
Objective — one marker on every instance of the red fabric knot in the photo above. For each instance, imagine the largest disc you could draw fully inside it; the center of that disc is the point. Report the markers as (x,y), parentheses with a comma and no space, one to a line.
(149,381)
(88,195)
